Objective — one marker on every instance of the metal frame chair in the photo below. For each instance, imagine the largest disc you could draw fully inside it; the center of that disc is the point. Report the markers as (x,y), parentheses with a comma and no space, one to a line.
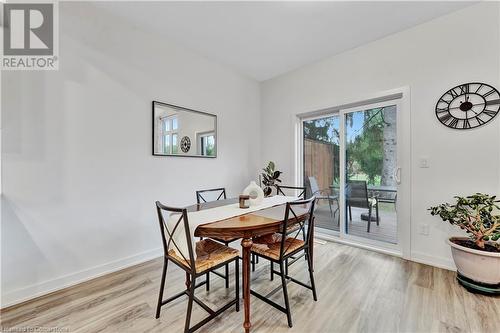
(189,266)
(357,196)
(301,190)
(288,247)
(200,198)
(323,194)
(222,196)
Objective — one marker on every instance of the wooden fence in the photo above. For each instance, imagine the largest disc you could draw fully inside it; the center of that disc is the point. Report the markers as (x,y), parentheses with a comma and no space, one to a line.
(319,161)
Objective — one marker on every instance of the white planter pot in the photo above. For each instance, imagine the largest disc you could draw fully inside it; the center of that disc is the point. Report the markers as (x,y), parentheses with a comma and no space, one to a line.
(480,266)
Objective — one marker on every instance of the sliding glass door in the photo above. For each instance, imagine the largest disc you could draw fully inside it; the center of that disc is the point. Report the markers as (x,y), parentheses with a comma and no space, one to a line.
(370,145)
(321,164)
(351,162)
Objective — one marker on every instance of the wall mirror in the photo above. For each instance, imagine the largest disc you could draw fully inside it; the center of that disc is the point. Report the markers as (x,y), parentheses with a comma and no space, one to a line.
(178,131)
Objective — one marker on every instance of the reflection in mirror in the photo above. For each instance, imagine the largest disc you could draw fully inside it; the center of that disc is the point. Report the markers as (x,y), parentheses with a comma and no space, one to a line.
(178,131)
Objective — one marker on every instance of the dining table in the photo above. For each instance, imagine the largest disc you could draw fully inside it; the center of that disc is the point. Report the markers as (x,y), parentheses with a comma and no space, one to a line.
(245,227)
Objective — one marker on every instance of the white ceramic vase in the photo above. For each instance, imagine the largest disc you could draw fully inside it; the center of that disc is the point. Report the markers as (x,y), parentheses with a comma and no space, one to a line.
(255,192)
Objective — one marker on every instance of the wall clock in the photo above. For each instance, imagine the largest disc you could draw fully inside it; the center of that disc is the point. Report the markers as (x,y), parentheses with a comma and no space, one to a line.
(185,144)
(468,105)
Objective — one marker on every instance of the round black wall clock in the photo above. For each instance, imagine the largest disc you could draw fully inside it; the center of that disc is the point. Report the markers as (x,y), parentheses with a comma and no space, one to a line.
(185,144)
(468,105)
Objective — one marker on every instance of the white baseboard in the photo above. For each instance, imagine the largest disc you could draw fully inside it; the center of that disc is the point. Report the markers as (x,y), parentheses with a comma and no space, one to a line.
(419,257)
(439,262)
(23,294)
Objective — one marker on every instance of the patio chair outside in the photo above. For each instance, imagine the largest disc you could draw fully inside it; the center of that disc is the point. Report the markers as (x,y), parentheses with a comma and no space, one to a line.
(357,196)
(323,194)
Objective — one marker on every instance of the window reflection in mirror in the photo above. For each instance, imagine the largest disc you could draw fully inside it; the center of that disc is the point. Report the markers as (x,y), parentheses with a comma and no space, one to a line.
(179,131)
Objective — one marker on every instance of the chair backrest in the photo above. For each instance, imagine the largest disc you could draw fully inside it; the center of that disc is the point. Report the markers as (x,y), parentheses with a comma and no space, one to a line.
(313,183)
(357,193)
(213,194)
(294,214)
(297,191)
(167,234)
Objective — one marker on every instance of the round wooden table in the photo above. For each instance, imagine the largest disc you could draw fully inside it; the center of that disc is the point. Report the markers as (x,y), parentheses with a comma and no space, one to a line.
(246,227)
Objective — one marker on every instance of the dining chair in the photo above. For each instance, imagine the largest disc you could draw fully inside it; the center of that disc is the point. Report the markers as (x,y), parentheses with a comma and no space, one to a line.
(295,191)
(279,246)
(357,196)
(209,195)
(206,256)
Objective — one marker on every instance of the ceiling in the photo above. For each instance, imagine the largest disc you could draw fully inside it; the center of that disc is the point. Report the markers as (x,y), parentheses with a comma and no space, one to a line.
(265,39)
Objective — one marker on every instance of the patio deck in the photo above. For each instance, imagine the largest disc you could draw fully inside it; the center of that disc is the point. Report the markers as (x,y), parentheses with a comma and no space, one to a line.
(386,231)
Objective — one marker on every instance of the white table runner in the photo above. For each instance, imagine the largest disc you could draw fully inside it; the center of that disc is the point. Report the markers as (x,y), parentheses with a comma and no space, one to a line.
(212,215)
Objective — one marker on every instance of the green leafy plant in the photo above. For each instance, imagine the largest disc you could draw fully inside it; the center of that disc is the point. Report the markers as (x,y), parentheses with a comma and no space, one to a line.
(270,178)
(476,214)
(365,152)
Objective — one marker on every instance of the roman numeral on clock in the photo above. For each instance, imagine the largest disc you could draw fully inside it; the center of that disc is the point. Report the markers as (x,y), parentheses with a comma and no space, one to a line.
(490,113)
(444,119)
(453,123)
(492,91)
(453,93)
(464,89)
(466,123)
(479,120)
(442,100)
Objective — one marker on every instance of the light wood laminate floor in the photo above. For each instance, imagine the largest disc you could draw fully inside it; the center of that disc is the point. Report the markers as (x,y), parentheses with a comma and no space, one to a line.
(358,290)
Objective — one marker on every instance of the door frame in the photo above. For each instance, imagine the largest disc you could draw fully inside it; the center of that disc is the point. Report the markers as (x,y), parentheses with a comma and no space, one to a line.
(400,97)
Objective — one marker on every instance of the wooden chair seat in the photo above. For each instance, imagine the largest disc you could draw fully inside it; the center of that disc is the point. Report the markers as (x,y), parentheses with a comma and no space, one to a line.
(292,228)
(269,245)
(208,254)
(225,239)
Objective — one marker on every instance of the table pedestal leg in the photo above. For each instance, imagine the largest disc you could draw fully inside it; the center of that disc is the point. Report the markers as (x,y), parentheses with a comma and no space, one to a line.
(246,244)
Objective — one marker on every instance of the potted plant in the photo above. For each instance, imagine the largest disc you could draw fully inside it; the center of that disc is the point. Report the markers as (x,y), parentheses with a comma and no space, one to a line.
(270,178)
(477,257)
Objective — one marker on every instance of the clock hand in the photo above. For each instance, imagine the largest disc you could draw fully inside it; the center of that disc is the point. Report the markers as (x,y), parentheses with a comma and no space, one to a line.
(458,107)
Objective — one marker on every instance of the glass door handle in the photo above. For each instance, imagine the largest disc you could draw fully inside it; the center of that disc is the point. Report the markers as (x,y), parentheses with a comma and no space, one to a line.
(397,175)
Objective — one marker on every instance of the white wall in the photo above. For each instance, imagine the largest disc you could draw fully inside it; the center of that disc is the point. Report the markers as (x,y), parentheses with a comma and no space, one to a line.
(430,59)
(79,180)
